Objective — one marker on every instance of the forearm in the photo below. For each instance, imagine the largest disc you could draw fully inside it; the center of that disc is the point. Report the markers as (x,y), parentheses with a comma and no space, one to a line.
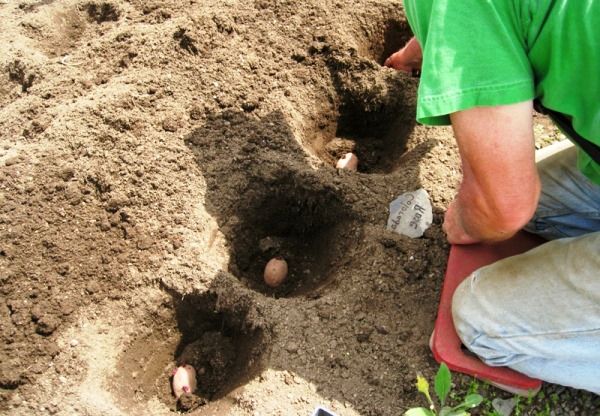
(413,49)
(500,186)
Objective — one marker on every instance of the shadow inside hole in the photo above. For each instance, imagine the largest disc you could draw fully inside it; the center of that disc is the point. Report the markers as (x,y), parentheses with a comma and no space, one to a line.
(376,113)
(377,139)
(307,226)
(225,352)
(395,35)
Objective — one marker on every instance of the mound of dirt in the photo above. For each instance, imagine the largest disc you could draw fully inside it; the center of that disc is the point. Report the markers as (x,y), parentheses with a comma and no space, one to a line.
(155,155)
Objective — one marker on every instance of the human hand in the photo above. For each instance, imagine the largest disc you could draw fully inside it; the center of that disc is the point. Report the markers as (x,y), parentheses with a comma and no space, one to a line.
(455,232)
(408,58)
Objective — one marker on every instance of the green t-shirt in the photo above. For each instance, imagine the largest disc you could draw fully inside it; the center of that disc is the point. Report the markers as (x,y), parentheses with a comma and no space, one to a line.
(495,52)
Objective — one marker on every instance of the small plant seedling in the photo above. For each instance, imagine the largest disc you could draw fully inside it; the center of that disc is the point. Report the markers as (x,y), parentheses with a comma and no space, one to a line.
(442,386)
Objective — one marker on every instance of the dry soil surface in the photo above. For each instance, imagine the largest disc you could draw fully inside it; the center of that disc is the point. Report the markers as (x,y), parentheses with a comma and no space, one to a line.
(155,154)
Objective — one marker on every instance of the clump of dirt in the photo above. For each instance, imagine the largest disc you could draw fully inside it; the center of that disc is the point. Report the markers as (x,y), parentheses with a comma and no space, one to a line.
(102,12)
(189,401)
(185,42)
(17,72)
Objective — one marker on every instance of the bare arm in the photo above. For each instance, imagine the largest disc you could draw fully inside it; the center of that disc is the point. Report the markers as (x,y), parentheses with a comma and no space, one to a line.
(500,186)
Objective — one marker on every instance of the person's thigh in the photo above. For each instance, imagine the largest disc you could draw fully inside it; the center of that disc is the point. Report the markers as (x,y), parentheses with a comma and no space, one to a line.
(538,312)
(569,203)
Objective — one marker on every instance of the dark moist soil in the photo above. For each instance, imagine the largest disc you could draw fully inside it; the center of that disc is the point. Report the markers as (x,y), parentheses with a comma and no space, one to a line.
(155,155)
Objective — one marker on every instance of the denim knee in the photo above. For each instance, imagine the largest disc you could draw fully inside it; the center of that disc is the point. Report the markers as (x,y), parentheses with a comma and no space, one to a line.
(462,309)
(476,327)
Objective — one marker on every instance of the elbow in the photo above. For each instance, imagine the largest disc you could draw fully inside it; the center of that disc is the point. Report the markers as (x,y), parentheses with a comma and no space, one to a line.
(509,224)
(513,213)
(501,212)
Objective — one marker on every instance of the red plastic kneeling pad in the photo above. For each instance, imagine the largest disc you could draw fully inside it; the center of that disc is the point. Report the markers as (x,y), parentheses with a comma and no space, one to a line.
(445,344)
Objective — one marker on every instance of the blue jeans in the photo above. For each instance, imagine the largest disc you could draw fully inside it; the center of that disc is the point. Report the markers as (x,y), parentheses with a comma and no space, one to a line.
(539,312)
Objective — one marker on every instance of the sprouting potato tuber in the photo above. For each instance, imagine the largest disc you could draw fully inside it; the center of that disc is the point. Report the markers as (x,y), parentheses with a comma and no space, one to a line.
(275,271)
(349,162)
(184,380)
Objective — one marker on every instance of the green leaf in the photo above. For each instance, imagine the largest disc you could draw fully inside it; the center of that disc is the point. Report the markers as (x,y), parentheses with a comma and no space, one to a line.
(469,402)
(459,412)
(442,382)
(419,411)
(445,410)
(472,400)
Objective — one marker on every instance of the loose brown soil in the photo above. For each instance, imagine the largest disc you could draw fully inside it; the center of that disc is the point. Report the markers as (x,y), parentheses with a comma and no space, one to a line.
(155,155)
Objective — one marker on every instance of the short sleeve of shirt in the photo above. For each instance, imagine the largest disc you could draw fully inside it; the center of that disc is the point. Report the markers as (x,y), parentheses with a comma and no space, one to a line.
(474,54)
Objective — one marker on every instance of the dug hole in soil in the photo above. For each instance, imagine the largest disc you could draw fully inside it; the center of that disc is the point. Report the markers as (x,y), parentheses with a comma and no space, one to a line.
(155,155)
